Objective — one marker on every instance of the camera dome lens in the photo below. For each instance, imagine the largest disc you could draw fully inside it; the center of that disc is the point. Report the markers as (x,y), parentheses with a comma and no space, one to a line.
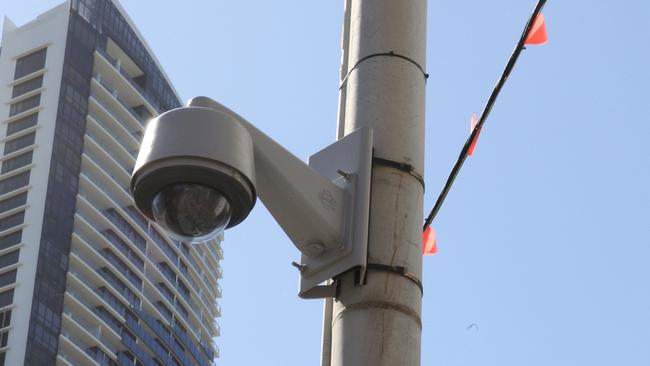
(191,212)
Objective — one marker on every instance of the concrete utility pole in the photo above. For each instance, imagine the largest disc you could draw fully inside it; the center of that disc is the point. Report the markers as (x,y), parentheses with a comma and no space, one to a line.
(383,87)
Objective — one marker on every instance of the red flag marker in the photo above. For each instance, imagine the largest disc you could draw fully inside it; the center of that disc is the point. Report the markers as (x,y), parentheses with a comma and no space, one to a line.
(470,151)
(429,243)
(537,33)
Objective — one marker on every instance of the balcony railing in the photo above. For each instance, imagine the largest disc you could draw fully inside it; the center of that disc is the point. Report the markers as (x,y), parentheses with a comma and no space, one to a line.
(100,357)
(76,341)
(141,120)
(126,229)
(163,268)
(137,134)
(137,351)
(103,125)
(159,351)
(92,176)
(96,139)
(127,272)
(128,77)
(171,343)
(168,272)
(118,285)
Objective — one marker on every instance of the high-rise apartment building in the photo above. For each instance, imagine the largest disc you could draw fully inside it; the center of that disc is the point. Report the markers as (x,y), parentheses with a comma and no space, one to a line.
(84,278)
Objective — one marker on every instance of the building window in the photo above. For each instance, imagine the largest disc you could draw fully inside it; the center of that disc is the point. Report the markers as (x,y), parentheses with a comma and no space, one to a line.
(9,259)
(108,318)
(182,309)
(13,202)
(27,86)
(122,267)
(126,229)
(20,143)
(124,248)
(7,278)
(5,318)
(22,124)
(11,221)
(137,217)
(12,183)
(120,286)
(105,294)
(164,310)
(6,298)
(30,63)
(183,289)
(17,162)
(162,244)
(4,339)
(10,240)
(24,105)
(165,290)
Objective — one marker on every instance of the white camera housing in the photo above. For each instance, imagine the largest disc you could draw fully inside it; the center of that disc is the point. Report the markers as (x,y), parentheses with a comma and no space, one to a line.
(201,146)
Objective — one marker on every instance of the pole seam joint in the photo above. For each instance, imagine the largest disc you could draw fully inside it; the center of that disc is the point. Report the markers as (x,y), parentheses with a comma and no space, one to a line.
(380,305)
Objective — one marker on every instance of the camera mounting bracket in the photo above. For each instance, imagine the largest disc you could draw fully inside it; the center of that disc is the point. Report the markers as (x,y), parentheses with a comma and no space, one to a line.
(323,207)
(348,164)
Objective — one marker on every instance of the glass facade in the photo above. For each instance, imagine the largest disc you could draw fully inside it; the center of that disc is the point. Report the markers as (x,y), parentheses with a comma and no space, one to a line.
(31,63)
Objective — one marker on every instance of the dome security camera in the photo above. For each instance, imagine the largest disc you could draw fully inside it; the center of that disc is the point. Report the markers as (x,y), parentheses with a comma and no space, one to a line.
(194,174)
(200,169)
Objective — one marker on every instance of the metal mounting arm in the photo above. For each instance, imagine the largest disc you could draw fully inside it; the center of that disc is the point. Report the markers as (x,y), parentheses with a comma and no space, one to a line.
(318,210)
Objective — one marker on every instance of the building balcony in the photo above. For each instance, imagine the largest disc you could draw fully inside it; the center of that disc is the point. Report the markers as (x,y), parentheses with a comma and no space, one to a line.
(106,162)
(151,277)
(92,335)
(94,200)
(110,100)
(108,152)
(106,195)
(92,279)
(91,170)
(91,298)
(99,132)
(86,314)
(123,74)
(75,348)
(102,112)
(137,351)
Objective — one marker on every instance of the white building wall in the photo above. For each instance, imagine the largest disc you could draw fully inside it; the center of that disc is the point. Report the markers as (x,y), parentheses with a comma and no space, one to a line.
(49,30)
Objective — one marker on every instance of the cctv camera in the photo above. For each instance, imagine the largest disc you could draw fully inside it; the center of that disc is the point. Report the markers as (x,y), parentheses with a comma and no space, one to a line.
(194,174)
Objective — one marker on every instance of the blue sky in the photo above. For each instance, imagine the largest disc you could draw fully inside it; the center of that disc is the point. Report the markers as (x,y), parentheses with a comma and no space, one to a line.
(544,239)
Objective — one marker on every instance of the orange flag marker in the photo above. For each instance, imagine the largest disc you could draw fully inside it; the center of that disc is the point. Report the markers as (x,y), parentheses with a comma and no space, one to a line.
(429,242)
(473,122)
(537,33)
